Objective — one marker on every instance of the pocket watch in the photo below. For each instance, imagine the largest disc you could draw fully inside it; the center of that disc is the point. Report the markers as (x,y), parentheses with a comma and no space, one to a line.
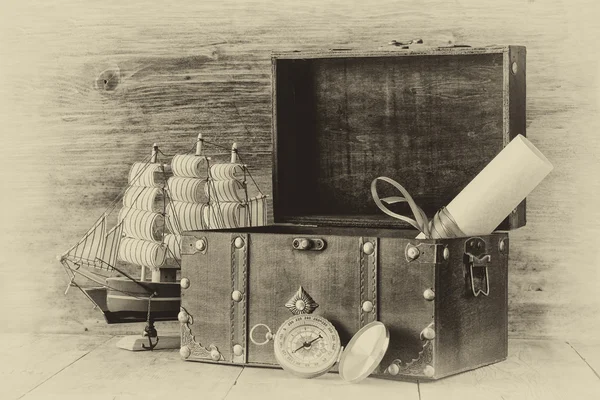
(309,345)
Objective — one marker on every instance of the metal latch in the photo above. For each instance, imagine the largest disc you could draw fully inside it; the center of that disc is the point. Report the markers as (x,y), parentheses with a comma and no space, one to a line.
(477,262)
(405,44)
(314,244)
(454,46)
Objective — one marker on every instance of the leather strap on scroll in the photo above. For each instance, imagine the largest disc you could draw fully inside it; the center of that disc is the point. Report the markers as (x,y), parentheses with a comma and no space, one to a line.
(442,225)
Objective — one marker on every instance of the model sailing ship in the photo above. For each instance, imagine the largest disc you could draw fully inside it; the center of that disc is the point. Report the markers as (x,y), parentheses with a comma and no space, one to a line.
(159,203)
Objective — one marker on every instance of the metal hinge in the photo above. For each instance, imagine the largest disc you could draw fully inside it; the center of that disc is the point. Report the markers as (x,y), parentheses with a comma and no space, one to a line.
(426,253)
(191,245)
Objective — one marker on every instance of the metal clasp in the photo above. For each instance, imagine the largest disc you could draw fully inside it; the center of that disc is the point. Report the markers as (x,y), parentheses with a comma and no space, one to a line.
(477,262)
(405,45)
(314,244)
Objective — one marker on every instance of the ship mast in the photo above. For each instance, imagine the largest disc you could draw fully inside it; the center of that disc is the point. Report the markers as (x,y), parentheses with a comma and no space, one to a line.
(199,144)
(153,161)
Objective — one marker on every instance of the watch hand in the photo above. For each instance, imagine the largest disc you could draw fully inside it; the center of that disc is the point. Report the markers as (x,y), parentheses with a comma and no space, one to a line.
(307,344)
(301,347)
(314,340)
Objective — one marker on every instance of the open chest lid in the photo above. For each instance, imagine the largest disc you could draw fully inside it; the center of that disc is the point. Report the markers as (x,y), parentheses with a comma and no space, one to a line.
(430,119)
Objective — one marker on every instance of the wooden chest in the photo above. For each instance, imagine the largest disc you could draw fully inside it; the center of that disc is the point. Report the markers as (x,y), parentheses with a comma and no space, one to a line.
(430,119)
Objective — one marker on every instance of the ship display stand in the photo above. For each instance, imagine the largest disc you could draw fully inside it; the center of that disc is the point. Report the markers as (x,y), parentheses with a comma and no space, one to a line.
(160,202)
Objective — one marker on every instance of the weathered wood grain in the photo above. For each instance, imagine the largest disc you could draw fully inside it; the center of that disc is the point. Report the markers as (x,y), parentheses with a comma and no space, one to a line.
(29,360)
(589,353)
(204,67)
(109,373)
(535,369)
(256,383)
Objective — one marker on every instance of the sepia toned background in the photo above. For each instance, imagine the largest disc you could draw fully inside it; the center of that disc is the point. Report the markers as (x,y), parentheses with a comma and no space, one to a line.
(189,67)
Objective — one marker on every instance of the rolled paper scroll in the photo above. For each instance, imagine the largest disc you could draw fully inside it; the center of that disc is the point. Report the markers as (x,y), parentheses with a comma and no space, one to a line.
(484,203)
(499,188)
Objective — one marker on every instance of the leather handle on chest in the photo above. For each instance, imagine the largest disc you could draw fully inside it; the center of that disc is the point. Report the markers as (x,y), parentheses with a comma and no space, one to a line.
(368,259)
(239,298)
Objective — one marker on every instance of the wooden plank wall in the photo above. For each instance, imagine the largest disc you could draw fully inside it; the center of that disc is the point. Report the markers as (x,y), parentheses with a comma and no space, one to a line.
(192,66)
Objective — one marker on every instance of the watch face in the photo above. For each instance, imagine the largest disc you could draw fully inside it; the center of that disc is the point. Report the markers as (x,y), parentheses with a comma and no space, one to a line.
(307,345)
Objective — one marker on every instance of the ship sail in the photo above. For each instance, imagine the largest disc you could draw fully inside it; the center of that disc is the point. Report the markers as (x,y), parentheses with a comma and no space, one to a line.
(144,198)
(186,189)
(141,224)
(257,215)
(209,195)
(142,252)
(173,242)
(111,246)
(229,204)
(146,174)
(90,247)
(142,217)
(155,210)
(185,216)
(189,165)
(229,191)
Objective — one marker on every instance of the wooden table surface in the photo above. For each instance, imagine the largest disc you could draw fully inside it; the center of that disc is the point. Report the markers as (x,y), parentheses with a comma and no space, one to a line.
(203,66)
(53,366)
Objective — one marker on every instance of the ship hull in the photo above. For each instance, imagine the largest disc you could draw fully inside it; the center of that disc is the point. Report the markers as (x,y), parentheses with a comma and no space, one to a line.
(126,301)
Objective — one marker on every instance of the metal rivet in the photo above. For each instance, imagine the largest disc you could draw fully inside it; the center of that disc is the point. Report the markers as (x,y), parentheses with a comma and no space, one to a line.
(368,248)
(184,283)
(428,371)
(446,253)
(201,245)
(184,352)
(215,355)
(300,305)
(239,242)
(367,306)
(428,333)
(236,296)
(304,244)
(429,294)
(393,369)
(238,350)
(182,317)
(514,68)
(412,252)
(503,244)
